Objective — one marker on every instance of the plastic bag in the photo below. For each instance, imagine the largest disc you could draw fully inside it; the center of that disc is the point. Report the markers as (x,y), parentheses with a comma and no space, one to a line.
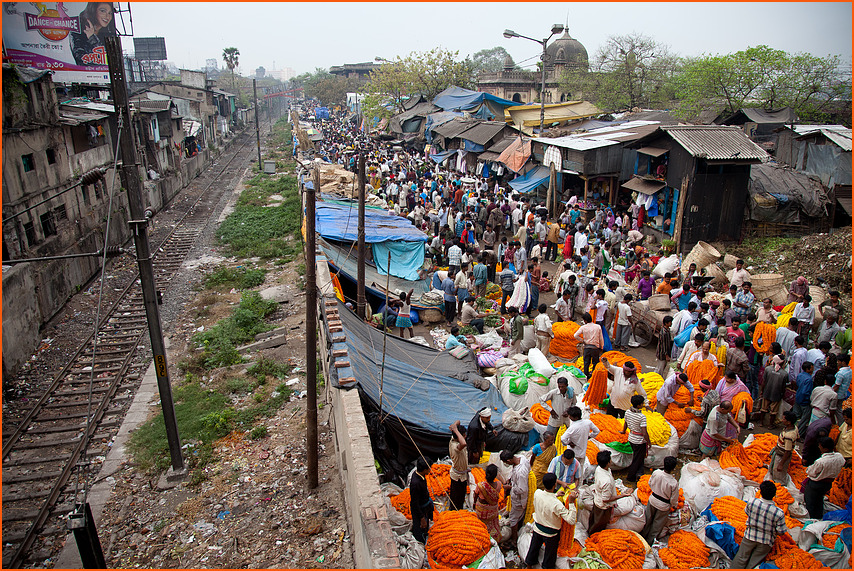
(411,551)
(690,440)
(493,559)
(666,265)
(540,363)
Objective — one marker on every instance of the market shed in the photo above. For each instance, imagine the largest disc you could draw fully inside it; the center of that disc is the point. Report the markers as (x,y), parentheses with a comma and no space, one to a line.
(476,103)
(782,198)
(761,125)
(696,180)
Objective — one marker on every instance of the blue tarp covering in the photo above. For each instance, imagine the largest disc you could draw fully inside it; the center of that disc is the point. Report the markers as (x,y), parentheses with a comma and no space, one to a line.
(472,147)
(321,113)
(440,157)
(406,258)
(457,98)
(531,180)
(341,223)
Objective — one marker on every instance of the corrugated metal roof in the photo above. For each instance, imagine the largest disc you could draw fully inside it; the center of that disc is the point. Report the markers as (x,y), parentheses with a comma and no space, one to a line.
(91,105)
(502,144)
(804,129)
(153,104)
(454,127)
(837,134)
(483,132)
(715,142)
(488,156)
(843,139)
(603,136)
(74,117)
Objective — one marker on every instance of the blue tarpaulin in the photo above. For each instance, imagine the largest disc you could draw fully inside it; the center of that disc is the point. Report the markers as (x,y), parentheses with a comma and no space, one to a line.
(472,147)
(436,119)
(531,180)
(440,157)
(456,98)
(341,223)
(406,258)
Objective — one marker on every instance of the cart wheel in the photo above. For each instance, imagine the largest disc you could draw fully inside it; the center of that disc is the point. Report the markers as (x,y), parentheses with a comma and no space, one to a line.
(643,334)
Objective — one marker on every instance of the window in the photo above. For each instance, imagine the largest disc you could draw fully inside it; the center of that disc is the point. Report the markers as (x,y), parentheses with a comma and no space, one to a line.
(60,213)
(29,163)
(48,224)
(30,233)
(85,192)
(51,156)
(97,188)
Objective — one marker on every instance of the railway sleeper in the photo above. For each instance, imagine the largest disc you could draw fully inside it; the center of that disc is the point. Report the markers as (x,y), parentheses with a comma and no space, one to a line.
(9,498)
(58,429)
(32,477)
(32,514)
(85,402)
(48,443)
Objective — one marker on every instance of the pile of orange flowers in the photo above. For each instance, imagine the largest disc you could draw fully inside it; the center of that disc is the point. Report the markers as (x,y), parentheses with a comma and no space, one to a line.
(479,476)
(702,370)
(609,427)
(592,452)
(747,460)
(618,359)
(401,501)
(540,414)
(834,432)
(782,498)
(841,490)
(731,510)
(439,480)
(684,551)
(644,491)
(564,344)
(457,538)
(832,533)
(768,333)
(619,548)
(598,388)
(567,545)
(742,399)
(681,420)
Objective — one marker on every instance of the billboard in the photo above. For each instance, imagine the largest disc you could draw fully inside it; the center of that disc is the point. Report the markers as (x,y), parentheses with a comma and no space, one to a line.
(66,37)
(149,49)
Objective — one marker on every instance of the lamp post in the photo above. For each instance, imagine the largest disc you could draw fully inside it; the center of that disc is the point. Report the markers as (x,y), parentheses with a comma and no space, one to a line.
(556,29)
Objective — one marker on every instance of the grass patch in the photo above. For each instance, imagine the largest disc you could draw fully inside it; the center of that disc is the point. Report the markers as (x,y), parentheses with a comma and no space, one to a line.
(258,432)
(239,277)
(265,368)
(769,245)
(220,341)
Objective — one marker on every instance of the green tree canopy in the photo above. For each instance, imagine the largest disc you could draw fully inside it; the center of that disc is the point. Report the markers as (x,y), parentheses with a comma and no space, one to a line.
(420,73)
(761,77)
(231,57)
(329,88)
(489,60)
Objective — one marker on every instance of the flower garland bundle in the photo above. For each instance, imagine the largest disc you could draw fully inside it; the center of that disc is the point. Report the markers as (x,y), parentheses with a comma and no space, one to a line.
(609,427)
(651,383)
(841,489)
(767,333)
(834,432)
(532,487)
(783,498)
(684,551)
(479,475)
(742,398)
(786,314)
(598,388)
(592,452)
(540,414)
(567,545)
(797,558)
(644,491)
(401,501)
(619,548)
(832,533)
(720,355)
(657,427)
(796,470)
(564,344)
(439,480)
(702,370)
(731,510)
(681,420)
(457,538)
(749,462)
(619,359)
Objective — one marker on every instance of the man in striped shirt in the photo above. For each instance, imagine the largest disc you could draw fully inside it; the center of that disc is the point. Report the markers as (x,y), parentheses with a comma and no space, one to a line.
(765,521)
(638,436)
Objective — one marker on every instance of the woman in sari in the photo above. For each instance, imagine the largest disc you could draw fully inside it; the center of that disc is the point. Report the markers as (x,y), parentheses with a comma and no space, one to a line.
(486,497)
(727,388)
(541,456)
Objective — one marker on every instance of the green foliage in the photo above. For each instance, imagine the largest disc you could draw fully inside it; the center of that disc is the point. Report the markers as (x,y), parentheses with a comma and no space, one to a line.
(258,432)
(238,385)
(420,73)
(489,60)
(231,57)
(254,230)
(761,77)
(268,368)
(330,89)
(240,277)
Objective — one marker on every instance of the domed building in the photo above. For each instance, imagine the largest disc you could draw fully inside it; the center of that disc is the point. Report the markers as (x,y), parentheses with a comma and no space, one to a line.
(562,54)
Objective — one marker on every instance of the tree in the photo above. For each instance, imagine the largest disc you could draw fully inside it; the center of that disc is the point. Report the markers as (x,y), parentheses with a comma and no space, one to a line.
(231,58)
(761,77)
(628,71)
(419,73)
(489,61)
(328,88)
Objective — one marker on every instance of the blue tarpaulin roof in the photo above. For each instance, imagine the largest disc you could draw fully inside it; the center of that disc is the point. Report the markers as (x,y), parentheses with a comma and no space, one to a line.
(341,223)
(457,98)
(439,157)
(531,180)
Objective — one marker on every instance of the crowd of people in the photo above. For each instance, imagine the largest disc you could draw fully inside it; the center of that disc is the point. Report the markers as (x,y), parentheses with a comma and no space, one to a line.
(485,233)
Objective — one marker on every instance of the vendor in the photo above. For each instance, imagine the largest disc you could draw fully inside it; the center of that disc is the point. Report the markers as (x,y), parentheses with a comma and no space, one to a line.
(714,435)
(667,392)
(478,431)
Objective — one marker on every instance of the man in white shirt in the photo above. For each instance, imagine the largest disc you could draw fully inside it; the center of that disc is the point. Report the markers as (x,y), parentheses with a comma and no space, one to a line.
(626,384)
(579,240)
(549,512)
(577,434)
(664,497)
(739,274)
(518,487)
(543,329)
(562,399)
(459,472)
(516,218)
(563,307)
(624,327)
(604,494)
(820,476)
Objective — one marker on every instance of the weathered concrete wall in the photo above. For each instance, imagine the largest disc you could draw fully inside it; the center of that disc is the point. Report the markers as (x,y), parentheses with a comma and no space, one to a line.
(20,312)
(374,544)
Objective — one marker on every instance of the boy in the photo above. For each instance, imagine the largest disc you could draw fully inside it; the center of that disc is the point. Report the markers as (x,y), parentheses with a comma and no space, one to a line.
(543,329)
(624,327)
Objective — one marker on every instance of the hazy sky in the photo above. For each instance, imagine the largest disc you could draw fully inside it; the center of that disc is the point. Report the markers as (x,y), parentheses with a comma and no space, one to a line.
(305,36)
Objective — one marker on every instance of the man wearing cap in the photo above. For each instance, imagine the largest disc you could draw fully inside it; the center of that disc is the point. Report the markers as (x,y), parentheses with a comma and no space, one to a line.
(665,394)
(626,384)
(562,399)
(478,431)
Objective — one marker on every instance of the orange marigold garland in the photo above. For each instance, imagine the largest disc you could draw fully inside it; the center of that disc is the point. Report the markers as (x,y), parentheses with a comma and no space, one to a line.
(841,490)
(831,535)
(564,344)
(618,359)
(644,491)
(767,333)
(540,414)
(439,480)
(619,548)
(742,398)
(401,502)
(681,420)
(747,461)
(684,551)
(731,510)
(609,427)
(567,545)
(592,451)
(457,538)
(701,370)
(598,388)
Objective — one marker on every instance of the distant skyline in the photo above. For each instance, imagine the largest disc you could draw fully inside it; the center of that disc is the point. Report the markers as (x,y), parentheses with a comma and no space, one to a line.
(306,36)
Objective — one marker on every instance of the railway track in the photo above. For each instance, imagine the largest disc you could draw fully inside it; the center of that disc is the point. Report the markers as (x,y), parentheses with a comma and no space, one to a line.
(45,444)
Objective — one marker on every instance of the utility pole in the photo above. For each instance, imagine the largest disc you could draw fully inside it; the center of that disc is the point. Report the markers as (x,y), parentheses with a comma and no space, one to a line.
(311,333)
(257,132)
(139,226)
(360,247)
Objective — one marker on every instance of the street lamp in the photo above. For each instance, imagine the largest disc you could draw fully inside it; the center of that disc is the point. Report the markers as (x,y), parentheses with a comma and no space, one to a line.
(556,29)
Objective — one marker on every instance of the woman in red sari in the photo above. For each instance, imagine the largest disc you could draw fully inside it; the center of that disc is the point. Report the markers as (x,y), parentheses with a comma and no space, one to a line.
(486,498)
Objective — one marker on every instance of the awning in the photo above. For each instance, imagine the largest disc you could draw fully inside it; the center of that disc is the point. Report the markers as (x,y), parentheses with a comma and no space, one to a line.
(440,157)
(644,186)
(531,180)
(652,151)
(191,128)
(488,156)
